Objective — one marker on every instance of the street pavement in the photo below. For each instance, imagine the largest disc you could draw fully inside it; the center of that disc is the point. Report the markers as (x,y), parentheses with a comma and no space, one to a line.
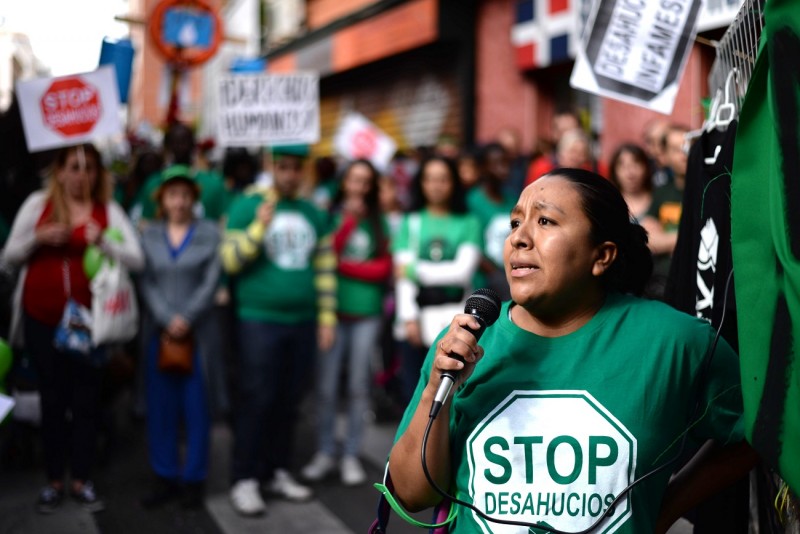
(123,476)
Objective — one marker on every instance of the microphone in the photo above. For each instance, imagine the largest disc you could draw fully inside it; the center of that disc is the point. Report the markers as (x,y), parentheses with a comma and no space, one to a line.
(484,305)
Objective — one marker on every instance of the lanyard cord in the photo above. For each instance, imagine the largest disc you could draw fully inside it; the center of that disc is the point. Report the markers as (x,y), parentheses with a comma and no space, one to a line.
(610,510)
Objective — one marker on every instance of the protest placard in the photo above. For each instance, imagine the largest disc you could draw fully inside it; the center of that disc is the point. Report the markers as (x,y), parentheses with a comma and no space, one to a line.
(358,138)
(268,109)
(69,110)
(636,50)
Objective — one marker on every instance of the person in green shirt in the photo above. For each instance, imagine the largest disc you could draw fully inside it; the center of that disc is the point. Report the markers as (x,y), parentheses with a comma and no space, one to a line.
(364,265)
(240,167)
(277,249)
(436,254)
(491,203)
(578,389)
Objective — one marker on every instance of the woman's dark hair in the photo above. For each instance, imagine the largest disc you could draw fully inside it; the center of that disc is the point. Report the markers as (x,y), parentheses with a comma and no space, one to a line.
(611,221)
(458,203)
(483,163)
(239,165)
(147,162)
(641,158)
(325,169)
(485,150)
(371,199)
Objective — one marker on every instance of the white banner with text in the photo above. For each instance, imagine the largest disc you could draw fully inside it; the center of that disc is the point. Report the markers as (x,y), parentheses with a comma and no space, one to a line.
(636,50)
(268,109)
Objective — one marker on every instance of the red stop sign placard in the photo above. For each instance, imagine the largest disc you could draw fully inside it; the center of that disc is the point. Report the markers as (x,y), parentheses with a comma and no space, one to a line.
(364,143)
(71,106)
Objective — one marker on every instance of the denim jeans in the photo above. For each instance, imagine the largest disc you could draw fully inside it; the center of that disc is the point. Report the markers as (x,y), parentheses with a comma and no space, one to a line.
(276,363)
(356,342)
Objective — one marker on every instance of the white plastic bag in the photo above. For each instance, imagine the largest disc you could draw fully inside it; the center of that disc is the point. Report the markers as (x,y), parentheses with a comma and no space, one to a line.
(115,314)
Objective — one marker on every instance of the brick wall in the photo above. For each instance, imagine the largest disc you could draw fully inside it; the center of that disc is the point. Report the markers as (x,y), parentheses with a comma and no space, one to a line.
(321,12)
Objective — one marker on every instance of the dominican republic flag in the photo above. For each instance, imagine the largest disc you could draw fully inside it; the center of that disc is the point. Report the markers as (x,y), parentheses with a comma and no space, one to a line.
(545,32)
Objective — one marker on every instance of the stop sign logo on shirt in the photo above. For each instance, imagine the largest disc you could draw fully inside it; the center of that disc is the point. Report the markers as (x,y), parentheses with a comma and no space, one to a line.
(71,106)
(556,457)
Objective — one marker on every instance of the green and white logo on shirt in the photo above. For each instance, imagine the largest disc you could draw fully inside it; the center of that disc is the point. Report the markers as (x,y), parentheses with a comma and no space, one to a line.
(359,246)
(527,462)
(494,236)
(290,240)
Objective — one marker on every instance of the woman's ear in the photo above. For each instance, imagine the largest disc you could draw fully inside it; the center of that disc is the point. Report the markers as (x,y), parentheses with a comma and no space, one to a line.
(606,254)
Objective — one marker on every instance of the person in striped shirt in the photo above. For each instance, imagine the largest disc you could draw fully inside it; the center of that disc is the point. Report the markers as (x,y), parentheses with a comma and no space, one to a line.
(277,250)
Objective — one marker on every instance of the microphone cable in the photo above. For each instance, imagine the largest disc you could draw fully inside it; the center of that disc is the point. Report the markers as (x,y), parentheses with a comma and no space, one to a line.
(693,420)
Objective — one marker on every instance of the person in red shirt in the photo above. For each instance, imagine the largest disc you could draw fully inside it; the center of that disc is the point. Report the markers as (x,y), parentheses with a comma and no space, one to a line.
(573,151)
(562,121)
(49,238)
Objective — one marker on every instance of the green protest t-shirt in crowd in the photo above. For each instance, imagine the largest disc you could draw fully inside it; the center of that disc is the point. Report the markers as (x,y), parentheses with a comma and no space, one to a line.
(356,297)
(437,237)
(278,285)
(495,220)
(552,429)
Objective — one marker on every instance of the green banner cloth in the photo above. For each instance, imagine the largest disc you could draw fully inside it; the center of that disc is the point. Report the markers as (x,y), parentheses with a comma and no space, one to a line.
(765,233)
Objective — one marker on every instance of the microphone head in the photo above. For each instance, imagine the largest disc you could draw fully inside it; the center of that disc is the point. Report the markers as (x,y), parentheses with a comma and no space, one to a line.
(485,304)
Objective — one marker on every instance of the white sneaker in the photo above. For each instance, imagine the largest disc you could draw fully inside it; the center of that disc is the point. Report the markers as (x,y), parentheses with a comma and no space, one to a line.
(319,467)
(285,486)
(353,473)
(246,499)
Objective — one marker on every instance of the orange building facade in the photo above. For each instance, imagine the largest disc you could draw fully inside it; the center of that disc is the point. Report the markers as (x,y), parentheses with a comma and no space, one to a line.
(422,69)
(407,66)
(525,99)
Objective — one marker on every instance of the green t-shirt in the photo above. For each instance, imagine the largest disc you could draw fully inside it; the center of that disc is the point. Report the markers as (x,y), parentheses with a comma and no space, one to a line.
(228,196)
(437,238)
(494,218)
(358,297)
(278,285)
(211,204)
(551,429)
